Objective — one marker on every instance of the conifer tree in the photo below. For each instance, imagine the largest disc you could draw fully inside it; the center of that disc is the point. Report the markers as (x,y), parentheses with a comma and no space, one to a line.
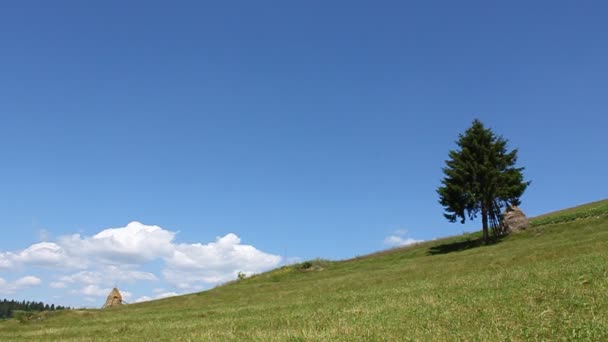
(481,178)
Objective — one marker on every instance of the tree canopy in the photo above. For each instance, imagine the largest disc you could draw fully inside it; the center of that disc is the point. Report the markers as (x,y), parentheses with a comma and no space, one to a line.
(481,178)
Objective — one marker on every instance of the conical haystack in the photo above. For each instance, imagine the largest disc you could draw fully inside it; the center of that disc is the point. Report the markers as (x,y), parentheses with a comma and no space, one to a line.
(114,299)
(514,220)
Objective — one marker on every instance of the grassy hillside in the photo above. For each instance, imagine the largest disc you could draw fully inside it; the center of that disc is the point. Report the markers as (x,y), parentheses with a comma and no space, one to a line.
(550,282)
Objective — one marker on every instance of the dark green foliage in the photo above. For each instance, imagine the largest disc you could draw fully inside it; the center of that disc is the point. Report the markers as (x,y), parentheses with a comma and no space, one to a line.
(9,307)
(312,265)
(481,178)
(306,265)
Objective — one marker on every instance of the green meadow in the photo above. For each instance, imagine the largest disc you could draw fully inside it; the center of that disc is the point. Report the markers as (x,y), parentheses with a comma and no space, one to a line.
(547,283)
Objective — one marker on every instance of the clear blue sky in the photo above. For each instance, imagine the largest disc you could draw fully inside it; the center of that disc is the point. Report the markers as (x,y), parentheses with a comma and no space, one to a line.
(306,129)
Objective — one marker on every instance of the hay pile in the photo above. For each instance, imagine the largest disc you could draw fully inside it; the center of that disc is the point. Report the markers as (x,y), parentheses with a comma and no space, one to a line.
(114,299)
(514,220)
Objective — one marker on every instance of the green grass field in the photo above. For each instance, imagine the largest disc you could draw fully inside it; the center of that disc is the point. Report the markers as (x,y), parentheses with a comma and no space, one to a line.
(548,283)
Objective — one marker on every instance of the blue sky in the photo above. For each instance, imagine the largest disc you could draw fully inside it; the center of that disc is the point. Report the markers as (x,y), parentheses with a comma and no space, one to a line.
(243,135)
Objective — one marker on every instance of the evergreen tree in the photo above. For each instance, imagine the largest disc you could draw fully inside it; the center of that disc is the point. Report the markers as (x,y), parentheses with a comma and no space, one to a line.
(481,177)
(8,307)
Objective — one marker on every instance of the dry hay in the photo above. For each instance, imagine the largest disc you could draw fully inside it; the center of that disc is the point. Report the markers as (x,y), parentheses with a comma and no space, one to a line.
(114,299)
(514,220)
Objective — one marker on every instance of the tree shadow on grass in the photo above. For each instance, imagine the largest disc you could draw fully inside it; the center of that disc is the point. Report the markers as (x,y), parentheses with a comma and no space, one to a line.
(460,246)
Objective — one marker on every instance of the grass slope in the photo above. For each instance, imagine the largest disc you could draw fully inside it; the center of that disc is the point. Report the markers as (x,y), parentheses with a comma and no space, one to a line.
(550,282)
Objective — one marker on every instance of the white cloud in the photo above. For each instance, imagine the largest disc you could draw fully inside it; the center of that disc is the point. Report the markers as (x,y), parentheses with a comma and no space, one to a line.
(142,299)
(167,295)
(118,274)
(399,238)
(133,244)
(215,262)
(94,290)
(108,275)
(83,277)
(158,296)
(118,256)
(57,285)
(19,284)
(27,281)
(42,254)
(126,295)
(394,240)
(5,261)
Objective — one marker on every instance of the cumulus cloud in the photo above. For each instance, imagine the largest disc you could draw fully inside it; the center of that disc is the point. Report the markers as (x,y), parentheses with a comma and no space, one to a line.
(42,254)
(95,290)
(399,238)
(117,274)
(115,256)
(215,262)
(126,295)
(134,244)
(7,287)
(28,281)
(5,261)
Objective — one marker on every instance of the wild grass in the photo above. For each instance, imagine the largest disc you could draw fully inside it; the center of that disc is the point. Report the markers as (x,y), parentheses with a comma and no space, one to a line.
(547,283)
(595,209)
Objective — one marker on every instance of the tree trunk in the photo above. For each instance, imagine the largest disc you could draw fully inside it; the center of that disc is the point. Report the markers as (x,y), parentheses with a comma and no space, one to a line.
(484,220)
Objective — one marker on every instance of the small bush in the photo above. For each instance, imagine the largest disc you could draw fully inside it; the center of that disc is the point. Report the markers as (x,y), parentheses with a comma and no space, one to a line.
(305,265)
(23,316)
(312,265)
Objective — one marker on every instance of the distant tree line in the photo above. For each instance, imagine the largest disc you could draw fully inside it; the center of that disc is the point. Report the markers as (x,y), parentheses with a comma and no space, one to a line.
(9,307)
